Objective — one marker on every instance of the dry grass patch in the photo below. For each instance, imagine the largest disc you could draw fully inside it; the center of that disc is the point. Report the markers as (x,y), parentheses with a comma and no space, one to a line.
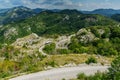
(76,58)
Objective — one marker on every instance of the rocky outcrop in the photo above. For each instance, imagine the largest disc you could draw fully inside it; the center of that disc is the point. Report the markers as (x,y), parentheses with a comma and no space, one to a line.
(10,32)
(85,35)
(33,42)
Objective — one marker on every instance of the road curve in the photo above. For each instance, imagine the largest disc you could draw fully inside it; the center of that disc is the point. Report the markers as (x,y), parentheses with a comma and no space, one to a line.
(60,73)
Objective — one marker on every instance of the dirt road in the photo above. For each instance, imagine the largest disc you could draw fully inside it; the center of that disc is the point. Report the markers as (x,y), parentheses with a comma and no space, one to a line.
(60,73)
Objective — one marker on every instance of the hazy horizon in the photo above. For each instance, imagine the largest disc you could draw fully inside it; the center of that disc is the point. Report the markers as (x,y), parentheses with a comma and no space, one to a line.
(62,4)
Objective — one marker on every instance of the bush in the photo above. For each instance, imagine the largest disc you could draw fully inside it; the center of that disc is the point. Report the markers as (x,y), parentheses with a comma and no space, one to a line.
(52,63)
(97,76)
(91,60)
(114,71)
(106,48)
(49,48)
(94,30)
(63,51)
(81,76)
(3,75)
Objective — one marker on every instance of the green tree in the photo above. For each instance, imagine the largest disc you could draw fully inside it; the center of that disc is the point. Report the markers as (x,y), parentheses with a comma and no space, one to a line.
(114,71)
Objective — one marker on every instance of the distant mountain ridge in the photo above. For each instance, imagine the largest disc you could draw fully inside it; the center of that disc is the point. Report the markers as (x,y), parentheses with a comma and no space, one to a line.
(3,10)
(38,10)
(105,12)
(15,14)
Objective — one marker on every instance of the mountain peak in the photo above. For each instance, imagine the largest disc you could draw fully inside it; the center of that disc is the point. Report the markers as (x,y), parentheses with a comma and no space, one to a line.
(21,8)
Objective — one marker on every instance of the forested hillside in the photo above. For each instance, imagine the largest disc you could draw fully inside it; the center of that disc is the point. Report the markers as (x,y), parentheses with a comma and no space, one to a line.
(50,23)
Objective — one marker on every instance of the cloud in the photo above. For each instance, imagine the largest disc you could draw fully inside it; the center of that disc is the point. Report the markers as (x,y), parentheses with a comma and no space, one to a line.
(10,3)
(61,4)
(52,4)
(49,4)
(96,5)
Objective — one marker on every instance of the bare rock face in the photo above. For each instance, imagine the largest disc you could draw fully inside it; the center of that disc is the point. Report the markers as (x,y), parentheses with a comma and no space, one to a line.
(26,40)
(62,42)
(85,35)
(101,31)
(10,32)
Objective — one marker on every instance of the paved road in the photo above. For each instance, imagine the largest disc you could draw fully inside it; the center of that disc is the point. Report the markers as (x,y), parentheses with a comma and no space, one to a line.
(60,73)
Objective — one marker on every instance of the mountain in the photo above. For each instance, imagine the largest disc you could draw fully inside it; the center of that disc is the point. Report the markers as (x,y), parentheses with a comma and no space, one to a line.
(19,13)
(43,38)
(3,10)
(15,14)
(38,10)
(56,10)
(105,12)
(88,43)
(52,24)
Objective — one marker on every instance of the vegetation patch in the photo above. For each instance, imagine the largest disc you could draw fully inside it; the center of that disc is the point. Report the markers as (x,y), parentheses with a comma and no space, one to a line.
(91,60)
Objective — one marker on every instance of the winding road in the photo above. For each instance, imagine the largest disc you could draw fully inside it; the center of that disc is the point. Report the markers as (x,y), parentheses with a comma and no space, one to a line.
(60,73)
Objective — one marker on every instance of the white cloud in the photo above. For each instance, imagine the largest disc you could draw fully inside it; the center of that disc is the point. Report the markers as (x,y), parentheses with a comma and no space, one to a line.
(61,4)
(52,4)
(7,1)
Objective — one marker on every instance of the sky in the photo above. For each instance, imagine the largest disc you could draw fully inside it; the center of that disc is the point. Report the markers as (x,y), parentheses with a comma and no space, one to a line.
(62,4)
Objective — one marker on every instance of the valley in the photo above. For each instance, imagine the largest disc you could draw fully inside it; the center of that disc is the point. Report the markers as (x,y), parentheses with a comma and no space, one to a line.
(48,40)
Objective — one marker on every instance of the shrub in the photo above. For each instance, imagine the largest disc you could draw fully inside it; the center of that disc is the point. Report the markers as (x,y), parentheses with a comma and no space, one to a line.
(52,63)
(81,76)
(91,60)
(5,74)
(94,30)
(49,48)
(114,71)
(63,51)
(97,76)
